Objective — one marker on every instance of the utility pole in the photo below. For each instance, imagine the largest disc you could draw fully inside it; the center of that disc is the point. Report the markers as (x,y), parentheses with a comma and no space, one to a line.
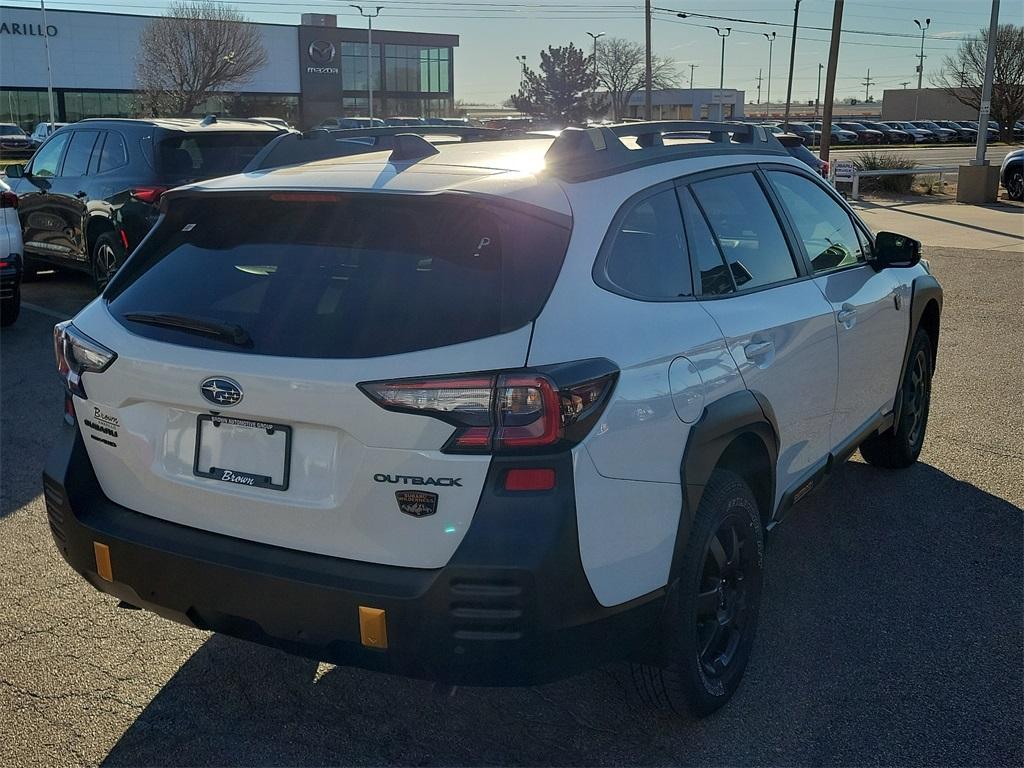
(759,86)
(792,59)
(647,60)
(49,72)
(986,88)
(723,35)
(817,98)
(522,72)
(920,64)
(595,38)
(830,79)
(867,85)
(692,67)
(771,44)
(369,52)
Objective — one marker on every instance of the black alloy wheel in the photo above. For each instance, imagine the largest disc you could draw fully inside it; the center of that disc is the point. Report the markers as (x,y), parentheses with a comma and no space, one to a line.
(107,257)
(1015,184)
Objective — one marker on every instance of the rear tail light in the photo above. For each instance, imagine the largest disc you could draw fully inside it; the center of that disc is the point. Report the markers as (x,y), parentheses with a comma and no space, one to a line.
(148,194)
(535,410)
(8,200)
(76,354)
(824,168)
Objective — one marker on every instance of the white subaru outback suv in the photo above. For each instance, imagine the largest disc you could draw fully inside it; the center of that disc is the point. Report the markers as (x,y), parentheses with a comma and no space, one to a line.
(487,412)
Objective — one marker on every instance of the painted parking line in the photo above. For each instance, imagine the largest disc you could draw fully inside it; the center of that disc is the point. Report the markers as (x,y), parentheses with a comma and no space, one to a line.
(44,311)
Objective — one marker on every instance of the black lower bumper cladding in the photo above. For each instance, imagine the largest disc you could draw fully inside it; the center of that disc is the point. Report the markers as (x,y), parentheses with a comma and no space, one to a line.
(513,606)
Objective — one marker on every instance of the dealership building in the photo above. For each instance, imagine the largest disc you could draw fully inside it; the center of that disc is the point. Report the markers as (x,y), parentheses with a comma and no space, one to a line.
(314,70)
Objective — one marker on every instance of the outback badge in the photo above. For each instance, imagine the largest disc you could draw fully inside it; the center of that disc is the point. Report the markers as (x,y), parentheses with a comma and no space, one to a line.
(417,503)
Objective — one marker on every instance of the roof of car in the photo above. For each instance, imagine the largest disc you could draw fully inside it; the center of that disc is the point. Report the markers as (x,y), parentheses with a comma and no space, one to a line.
(190,124)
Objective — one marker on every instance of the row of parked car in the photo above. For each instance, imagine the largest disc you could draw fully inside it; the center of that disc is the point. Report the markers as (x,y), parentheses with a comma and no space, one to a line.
(898,131)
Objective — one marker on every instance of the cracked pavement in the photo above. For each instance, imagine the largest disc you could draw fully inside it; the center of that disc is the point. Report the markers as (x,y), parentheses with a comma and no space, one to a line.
(891,630)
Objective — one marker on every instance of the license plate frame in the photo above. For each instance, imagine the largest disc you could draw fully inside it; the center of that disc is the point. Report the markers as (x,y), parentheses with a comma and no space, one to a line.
(236,475)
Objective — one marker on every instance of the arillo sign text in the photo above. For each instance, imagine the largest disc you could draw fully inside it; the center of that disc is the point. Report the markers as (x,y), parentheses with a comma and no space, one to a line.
(27,30)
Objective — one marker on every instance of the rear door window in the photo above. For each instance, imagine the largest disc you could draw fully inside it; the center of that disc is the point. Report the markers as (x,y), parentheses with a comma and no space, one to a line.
(114,153)
(204,156)
(647,258)
(712,275)
(746,229)
(342,275)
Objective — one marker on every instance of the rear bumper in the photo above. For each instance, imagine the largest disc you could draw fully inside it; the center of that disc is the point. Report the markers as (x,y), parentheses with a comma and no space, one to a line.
(512,607)
(10,276)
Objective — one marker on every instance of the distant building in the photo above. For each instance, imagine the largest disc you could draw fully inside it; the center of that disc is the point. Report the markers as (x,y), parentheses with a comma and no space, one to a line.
(314,70)
(688,104)
(924,104)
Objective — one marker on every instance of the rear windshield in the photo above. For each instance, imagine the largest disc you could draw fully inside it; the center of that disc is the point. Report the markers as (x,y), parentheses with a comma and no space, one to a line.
(341,276)
(204,156)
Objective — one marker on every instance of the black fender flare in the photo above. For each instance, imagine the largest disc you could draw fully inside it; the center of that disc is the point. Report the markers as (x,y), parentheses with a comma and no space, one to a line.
(736,414)
(925,289)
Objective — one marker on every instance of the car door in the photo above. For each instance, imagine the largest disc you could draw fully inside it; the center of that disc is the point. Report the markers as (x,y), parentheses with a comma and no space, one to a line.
(871,308)
(69,195)
(41,230)
(777,325)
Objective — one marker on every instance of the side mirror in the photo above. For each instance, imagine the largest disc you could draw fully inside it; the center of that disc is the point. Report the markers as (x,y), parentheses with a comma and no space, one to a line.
(15,171)
(892,250)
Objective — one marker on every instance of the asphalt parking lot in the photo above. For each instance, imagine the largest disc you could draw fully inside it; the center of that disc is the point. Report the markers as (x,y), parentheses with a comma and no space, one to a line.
(891,631)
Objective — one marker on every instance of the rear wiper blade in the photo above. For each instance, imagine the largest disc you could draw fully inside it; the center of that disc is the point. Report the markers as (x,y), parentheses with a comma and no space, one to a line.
(229,332)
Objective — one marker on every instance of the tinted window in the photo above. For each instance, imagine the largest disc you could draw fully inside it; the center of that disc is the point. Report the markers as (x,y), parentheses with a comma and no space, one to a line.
(356,275)
(825,229)
(44,164)
(193,156)
(746,229)
(648,257)
(710,266)
(114,154)
(76,161)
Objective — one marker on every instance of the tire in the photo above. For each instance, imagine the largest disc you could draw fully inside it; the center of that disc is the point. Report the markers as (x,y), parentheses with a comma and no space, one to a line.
(1015,184)
(10,308)
(900,445)
(711,621)
(107,257)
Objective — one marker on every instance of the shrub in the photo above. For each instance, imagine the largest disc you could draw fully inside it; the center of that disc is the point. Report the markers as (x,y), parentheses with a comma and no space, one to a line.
(877,161)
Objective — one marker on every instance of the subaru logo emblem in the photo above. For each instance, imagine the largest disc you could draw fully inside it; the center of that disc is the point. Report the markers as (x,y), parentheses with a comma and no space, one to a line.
(321,51)
(221,391)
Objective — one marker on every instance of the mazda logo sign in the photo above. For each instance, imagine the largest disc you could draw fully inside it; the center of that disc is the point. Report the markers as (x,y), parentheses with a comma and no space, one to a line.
(321,51)
(221,390)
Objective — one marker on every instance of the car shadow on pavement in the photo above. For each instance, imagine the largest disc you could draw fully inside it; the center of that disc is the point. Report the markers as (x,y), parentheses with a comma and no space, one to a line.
(890,634)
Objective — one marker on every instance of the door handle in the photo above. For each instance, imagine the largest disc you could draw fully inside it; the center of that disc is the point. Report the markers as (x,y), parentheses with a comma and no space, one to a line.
(847,315)
(758,349)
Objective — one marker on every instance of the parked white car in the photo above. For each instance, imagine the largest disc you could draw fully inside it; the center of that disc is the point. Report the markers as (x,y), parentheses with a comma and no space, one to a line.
(11,256)
(42,132)
(489,412)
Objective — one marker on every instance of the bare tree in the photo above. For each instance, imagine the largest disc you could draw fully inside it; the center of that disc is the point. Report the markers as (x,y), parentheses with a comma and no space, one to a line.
(621,71)
(963,74)
(200,47)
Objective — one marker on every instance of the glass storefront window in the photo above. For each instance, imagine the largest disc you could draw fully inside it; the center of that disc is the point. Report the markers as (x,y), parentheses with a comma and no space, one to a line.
(353,66)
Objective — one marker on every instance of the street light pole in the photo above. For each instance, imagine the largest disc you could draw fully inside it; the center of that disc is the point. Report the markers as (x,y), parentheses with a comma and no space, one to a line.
(692,67)
(771,44)
(49,72)
(817,99)
(723,35)
(595,38)
(920,63)
(986,88)
(792,59)
(369,51)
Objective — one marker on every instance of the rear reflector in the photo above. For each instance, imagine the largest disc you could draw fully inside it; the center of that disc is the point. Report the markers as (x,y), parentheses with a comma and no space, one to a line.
(103,568)
(373,627)
(541,479)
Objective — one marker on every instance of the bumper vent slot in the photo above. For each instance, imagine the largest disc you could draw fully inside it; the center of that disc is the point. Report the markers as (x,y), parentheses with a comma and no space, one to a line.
(486,610)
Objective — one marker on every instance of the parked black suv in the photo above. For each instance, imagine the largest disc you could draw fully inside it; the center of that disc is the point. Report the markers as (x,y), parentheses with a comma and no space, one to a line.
(90,192)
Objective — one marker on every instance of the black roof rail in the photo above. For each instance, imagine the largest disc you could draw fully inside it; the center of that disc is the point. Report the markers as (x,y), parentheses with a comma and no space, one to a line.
(407,142)
(579,154)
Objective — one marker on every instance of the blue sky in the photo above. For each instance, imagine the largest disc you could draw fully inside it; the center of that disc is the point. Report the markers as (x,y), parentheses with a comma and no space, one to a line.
(493,32)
